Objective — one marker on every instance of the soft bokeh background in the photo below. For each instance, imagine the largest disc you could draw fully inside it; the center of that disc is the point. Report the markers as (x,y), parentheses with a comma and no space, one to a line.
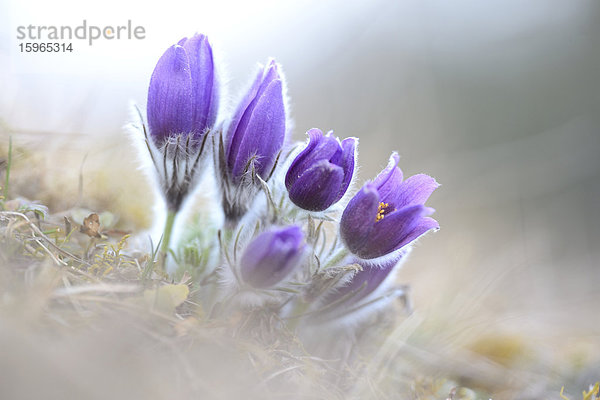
(499,100)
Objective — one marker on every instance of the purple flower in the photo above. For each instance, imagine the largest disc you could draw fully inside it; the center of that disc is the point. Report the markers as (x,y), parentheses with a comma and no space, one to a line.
(257,129)
(365,282)
(183,96)
(388,213)
(320,175)
(272,256)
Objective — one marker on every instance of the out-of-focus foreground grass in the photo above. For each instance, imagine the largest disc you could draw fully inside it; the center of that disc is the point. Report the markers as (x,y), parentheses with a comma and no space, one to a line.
(101,330)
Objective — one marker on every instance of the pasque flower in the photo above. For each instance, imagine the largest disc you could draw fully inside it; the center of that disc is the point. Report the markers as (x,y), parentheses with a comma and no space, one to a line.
(370,288)
(388,213)
(320,175)
(183,100)
(366,281)
(266,255)
(272,256)
(183,97)
(257,129)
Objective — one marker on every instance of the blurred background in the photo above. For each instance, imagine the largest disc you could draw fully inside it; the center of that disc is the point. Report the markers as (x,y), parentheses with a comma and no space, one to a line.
(499,100)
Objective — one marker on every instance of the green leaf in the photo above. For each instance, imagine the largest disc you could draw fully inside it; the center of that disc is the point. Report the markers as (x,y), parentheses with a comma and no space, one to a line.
(166,298)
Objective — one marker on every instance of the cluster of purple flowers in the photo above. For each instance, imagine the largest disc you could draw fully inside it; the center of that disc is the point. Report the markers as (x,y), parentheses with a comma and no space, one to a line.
(253,159)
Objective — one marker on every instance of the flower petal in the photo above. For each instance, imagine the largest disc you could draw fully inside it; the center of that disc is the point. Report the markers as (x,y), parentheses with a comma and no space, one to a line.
(237,129)
(388,181)
(347,163)
(204,83)
(415,190)
(234,135)
(317,188)
(366,281)
(169,107)
(328,149)
(359,217)
(264,133)
(389,233)
(424,225)
(265,77)
(319,148)
(297,167)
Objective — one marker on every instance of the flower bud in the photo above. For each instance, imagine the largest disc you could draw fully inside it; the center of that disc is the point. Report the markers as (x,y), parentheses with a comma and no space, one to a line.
(183,96)
(272,256)
(257,129)
(320,175)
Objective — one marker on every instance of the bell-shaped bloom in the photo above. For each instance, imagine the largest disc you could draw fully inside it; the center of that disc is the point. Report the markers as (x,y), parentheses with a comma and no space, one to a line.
(183,96)
(320,175)
(256,131)
(272,256)
(388,213)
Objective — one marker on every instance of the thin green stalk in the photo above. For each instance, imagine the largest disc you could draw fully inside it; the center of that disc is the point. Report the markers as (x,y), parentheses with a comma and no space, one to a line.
(166,238)
(336,258)
(298,312)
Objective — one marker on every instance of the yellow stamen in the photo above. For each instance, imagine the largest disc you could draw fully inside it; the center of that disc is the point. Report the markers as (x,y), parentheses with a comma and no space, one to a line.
(381,211)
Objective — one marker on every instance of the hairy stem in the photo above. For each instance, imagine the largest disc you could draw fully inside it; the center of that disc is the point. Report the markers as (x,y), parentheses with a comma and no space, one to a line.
(298,311)
(166,238)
